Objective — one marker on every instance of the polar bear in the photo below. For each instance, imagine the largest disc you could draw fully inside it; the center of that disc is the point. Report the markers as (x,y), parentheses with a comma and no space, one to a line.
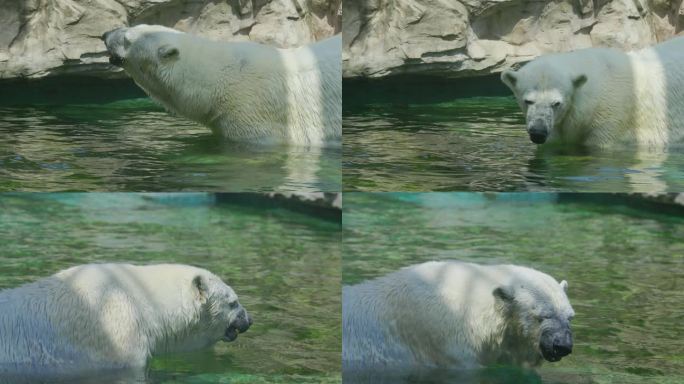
(455,315)
(243,91)
(604,97)
(114,316)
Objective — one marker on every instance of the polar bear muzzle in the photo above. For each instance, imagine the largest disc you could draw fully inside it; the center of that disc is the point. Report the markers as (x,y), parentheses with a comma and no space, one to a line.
(241,324)
(556,341)
(114,42)
(538,131)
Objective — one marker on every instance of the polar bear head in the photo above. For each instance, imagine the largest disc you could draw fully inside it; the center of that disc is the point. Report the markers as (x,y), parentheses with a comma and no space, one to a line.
(545,93)
(214,312)
(122,42)
(538,312)
(166,64)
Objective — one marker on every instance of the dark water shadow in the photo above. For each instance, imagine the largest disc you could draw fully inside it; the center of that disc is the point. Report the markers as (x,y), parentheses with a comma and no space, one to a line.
(66,90)
(500,375)
(127,376)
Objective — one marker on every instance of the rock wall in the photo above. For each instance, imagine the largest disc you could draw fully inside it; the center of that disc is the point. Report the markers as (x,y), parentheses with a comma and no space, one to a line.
(55,37)
(479,37)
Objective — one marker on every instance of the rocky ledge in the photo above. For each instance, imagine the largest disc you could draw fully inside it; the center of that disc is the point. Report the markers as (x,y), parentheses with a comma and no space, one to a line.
(62,37)
(479,37)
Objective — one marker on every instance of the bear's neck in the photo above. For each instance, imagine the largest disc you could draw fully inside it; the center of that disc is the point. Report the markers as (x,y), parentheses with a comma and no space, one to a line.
(507,344)
(598,113)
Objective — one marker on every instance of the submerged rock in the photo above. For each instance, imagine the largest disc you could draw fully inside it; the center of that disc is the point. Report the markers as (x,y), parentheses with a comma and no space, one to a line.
(56,37)
(479,37)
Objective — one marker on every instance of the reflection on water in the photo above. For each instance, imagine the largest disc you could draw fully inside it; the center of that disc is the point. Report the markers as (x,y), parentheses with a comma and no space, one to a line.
(480,144)
(132,145)
(624,266)
(284,266)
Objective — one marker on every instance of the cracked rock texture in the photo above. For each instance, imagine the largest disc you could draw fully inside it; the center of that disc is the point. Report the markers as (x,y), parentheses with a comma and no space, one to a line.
(55,37)
(478,37)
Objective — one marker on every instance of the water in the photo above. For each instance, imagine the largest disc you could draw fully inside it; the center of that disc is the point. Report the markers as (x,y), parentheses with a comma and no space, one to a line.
(624,266)
(134,145)
(480,144)
(284,266)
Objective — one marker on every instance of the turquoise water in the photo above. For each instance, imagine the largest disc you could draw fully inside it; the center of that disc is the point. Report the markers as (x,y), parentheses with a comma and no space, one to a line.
(480,144)
(134,145)
(284,266)
(624,266)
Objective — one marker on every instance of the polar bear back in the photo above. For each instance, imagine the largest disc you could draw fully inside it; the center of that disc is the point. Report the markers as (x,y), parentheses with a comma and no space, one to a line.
(89,309)
(659,93)
(243,91)
(436,314)
(314,79)
(288,95)
(99,316)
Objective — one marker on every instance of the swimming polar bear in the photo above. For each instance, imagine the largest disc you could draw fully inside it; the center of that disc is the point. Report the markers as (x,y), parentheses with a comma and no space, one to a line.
(602,97)
(243,91)
(114,316)
(455,315)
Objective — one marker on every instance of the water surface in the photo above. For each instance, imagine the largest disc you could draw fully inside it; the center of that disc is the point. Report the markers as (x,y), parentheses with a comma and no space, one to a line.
(284,266)
(134,145)
(624,266)
(480,144)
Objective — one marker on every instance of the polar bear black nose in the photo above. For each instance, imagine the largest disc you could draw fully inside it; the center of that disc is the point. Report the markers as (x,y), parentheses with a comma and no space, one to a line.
(538,138)
(562,345)
(556,344)
(561,350)
(538,132)
(242,322)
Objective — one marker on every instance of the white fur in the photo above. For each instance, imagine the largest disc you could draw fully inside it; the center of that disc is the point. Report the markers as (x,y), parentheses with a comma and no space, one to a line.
(243,91)
(633,98)
(111,316)
(444,314)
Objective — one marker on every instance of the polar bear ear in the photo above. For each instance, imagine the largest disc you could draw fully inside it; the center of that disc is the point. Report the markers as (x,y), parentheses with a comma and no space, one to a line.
(509,78)
(201,287)
(564,285)
(504,293)
(166,52)
(579,80)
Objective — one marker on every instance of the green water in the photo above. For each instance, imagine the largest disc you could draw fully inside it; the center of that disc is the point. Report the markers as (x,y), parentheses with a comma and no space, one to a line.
(480,144)
(134,145)
(285,267)
(624,266)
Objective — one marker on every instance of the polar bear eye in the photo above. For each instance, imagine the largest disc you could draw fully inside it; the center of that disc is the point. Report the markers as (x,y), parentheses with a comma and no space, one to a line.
(556,104)
(233,304)
(529,102)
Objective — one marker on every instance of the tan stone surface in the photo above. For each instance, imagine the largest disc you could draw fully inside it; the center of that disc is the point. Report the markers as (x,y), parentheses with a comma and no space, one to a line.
(478,37)
(55,37)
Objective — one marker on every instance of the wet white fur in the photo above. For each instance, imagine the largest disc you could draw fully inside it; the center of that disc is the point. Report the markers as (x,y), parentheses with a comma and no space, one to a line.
(444,314)
(243,91)
(110,316)
(634,98)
